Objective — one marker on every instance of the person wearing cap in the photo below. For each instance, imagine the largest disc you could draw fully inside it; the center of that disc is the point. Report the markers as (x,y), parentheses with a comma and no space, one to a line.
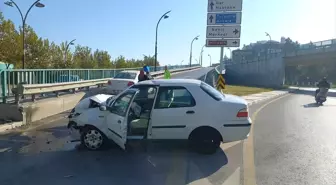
(166,73)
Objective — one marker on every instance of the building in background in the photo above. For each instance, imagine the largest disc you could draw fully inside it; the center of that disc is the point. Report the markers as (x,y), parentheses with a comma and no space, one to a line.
(257,51)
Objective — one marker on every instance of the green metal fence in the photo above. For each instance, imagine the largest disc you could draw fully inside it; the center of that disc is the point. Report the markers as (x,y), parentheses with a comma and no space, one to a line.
(10,78)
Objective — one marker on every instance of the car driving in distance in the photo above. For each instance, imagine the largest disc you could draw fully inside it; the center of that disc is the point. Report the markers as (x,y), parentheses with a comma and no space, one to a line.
(122,81)
(175,109)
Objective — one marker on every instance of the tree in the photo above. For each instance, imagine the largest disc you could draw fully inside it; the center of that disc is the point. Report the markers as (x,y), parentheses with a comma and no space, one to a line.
(41,53)
(83,57)
(103,59)
(9,48)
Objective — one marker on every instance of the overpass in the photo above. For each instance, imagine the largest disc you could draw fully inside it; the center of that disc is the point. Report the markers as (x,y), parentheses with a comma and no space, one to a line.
(272,70)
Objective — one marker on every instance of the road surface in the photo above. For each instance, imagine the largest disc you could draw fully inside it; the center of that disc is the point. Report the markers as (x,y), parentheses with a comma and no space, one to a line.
(293,142)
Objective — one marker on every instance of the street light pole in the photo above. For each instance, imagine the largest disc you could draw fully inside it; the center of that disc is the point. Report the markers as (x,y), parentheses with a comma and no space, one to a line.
(270,40)
(182,62)
(164,16)
(230,53)
(210,59)
(24,18)
(66,50)
(201,56)
(190,58)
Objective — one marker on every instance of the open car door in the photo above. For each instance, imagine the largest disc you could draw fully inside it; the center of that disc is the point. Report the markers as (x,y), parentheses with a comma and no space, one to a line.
(116,117)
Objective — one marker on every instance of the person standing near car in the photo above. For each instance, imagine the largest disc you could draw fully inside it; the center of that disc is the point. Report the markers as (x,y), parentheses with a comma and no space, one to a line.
(148,76)
(166,73)
(142,76)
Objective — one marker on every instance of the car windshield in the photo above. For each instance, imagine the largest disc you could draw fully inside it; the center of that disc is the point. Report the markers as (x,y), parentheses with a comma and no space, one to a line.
(126,75)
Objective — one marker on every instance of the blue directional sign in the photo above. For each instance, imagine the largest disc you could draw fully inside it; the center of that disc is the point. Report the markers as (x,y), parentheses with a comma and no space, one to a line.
(224,18)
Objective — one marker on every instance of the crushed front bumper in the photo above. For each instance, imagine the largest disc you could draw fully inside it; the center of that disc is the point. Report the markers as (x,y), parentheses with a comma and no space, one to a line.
(74,131)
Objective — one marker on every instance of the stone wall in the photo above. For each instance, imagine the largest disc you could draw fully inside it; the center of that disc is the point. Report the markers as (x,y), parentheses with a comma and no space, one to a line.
(263,73)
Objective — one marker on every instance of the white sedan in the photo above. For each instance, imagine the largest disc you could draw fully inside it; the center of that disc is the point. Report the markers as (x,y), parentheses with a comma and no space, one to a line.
(122,81)
(176,109)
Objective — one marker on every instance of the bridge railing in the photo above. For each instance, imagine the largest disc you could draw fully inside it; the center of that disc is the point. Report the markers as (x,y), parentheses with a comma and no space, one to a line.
(11,78)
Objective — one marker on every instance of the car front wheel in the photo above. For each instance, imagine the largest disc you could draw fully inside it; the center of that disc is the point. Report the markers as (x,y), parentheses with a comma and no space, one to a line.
(92,138)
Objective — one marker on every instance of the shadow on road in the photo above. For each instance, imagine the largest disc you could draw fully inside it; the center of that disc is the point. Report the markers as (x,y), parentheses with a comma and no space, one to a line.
(141,165)
(310,105)
(331,93)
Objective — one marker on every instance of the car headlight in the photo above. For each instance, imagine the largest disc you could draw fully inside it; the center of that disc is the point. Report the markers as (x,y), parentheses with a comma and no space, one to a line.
(72,115)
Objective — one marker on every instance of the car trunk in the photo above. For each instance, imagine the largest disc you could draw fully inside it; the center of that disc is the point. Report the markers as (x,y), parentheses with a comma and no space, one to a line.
(119,85)
(234,108)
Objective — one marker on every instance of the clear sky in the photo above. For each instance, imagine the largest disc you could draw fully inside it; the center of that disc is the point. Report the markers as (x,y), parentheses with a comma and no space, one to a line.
(127,27)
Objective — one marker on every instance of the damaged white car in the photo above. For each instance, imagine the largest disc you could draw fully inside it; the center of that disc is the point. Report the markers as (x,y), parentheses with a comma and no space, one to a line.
(176,109)
(89,103)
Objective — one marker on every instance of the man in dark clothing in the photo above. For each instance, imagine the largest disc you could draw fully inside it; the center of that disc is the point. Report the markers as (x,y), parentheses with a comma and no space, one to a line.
(322,84)
(144,76)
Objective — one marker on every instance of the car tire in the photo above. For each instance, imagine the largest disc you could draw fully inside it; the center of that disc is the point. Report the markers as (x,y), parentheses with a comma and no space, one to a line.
(205,141)
(93,139)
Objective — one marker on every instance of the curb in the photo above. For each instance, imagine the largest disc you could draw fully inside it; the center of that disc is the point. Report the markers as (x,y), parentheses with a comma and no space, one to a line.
(9,126)
(271,97)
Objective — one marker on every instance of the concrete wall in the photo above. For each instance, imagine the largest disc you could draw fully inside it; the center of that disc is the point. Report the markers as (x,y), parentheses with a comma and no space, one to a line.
(265,73)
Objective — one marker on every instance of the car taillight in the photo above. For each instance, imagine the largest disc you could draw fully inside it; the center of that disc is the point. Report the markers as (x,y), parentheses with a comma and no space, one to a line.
(130,83)
(109,82)
(243,113)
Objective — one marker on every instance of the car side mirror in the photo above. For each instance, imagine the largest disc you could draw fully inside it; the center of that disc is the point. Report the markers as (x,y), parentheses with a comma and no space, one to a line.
(102,108)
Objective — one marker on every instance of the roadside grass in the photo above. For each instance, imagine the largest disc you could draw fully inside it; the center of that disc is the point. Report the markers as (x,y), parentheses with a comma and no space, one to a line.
(244,90)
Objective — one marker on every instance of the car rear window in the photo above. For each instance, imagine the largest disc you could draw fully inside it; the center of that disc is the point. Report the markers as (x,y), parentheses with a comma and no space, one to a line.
(125,75)
(212,92)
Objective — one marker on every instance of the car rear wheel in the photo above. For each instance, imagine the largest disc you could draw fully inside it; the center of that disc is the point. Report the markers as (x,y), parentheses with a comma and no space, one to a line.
(205,141)
(92,138)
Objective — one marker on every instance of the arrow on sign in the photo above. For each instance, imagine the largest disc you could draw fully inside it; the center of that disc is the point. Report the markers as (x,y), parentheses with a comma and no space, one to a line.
(211,5)
(236,31)
(235,42)
(211,17)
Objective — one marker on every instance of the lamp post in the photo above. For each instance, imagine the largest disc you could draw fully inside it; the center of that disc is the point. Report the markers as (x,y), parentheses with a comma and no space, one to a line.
(66,49)
(24,18)
(270,39)
(230,53)
(210,59)
(190,58)
(164,16)
(182,62)
(201,55)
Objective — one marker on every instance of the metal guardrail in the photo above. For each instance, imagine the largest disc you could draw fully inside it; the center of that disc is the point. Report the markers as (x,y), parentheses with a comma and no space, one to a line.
(11,78)
(34,89)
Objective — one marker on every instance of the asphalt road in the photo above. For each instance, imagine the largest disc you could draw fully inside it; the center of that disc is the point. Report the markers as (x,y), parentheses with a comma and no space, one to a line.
(294,141)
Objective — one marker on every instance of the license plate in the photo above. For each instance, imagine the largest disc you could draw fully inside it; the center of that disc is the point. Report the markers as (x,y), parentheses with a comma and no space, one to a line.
(323,98)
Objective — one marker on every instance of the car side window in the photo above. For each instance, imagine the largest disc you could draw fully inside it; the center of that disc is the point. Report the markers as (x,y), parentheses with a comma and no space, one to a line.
(121,104)
(174,97)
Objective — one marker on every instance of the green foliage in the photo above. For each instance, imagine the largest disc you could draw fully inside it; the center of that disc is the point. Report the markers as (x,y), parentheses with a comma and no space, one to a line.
(41,53)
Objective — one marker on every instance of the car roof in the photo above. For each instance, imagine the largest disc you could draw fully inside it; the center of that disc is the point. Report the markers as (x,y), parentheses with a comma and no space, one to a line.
(170,82)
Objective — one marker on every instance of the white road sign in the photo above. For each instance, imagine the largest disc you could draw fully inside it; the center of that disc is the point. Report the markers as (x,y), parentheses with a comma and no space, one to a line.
(222,42)
(223,31)
(228,18)
(225,5)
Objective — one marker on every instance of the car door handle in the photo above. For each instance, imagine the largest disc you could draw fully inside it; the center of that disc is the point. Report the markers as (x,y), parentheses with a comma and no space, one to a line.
(101,116)
(119,121)
(190,112)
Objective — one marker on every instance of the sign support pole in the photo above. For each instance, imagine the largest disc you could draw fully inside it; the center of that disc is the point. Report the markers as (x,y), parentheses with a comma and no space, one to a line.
(221,60)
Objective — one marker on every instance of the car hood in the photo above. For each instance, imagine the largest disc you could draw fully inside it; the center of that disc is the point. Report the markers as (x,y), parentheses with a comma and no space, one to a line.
(235,99)
(85,103)
(100,98)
